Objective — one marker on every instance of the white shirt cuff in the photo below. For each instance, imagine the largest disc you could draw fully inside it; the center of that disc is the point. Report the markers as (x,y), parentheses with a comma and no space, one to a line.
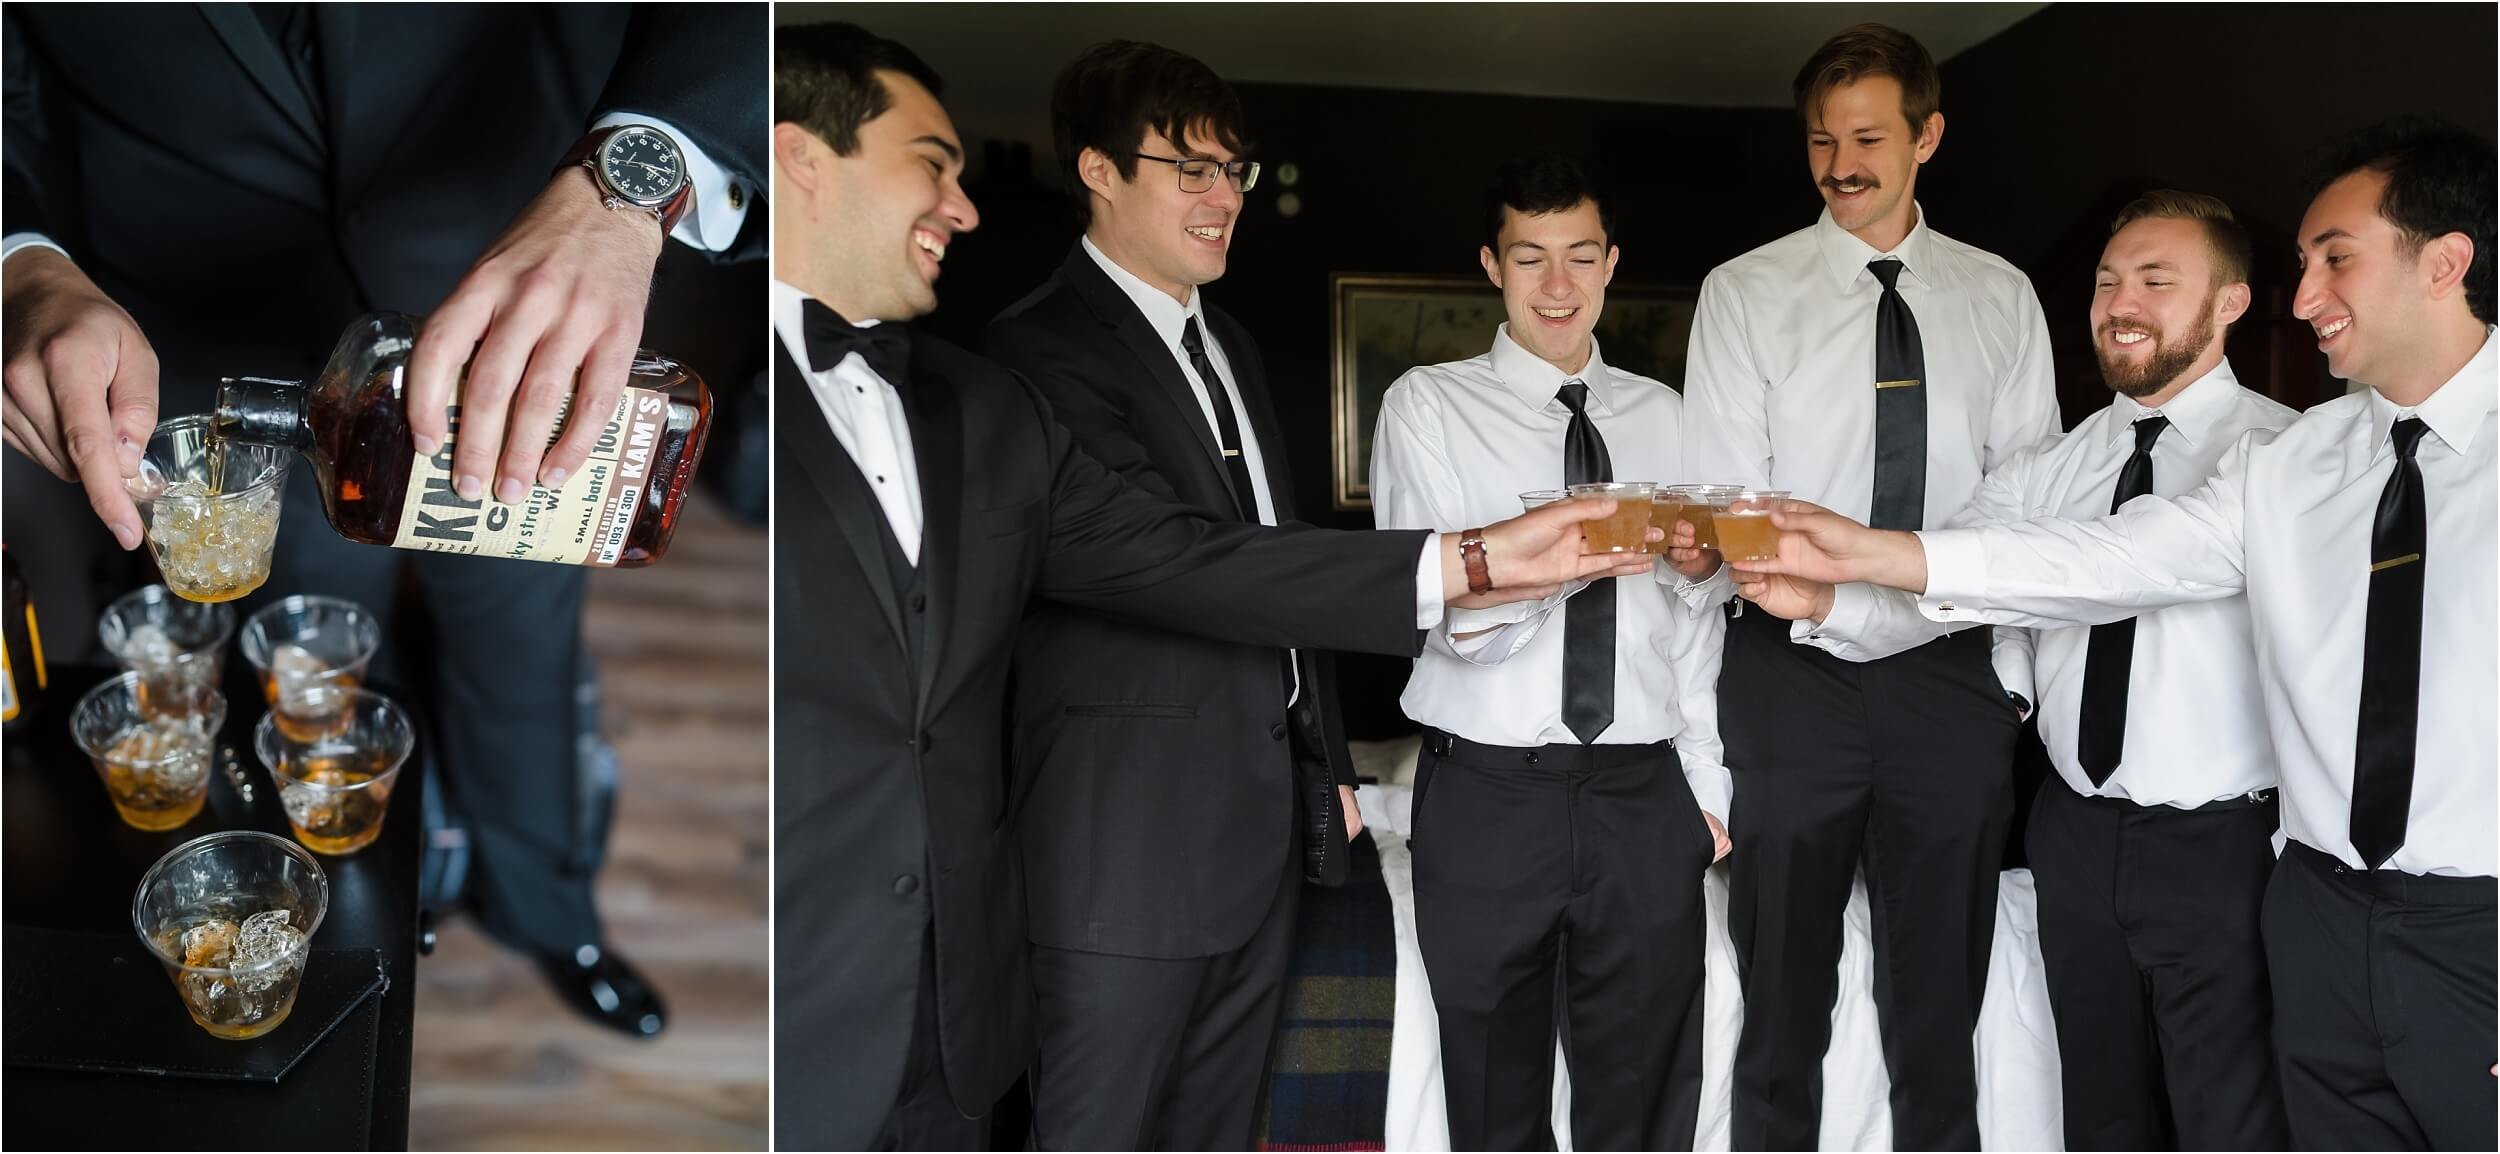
(18,242)
(1957,574)
(1845,624)
(1428,604)
(720,201)
(1713,788)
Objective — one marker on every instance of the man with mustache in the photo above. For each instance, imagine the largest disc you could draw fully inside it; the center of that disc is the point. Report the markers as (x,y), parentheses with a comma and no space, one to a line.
(1158,977)
(2363,536)
(925,495)
(1868,363)
(1570,756)
(2151,844)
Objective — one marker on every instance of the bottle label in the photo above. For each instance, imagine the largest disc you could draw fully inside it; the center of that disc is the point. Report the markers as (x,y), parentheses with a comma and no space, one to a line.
(581,522)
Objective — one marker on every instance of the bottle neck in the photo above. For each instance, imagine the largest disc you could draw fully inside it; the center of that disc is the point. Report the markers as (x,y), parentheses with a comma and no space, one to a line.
(261,411)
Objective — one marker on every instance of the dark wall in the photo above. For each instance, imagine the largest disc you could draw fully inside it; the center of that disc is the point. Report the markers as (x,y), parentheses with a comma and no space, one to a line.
(2080,107)
(2051,126)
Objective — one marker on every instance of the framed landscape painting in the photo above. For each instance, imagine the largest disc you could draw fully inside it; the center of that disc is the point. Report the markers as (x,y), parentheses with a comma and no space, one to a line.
(1385,325)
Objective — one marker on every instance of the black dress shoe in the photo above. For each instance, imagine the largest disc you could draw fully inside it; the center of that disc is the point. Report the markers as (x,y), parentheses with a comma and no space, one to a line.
(601,987)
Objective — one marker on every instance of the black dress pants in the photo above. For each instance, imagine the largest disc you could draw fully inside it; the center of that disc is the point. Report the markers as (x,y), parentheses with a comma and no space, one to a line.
(1160,1053)
(2157,977)
(1905,763)
(1572,870)
(2383,1005)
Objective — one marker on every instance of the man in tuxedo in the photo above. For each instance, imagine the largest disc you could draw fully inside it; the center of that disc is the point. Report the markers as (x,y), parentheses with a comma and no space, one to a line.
(926,494)
(286,167)
(1157,974)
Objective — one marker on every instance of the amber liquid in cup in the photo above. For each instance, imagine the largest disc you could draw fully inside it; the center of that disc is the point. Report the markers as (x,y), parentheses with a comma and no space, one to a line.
(1747,535)
(314,708)
(1663,512)
(1626,530)
(324,802)
(157,775)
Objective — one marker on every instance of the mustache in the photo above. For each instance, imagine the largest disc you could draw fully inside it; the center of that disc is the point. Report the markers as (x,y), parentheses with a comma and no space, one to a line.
(1862,180)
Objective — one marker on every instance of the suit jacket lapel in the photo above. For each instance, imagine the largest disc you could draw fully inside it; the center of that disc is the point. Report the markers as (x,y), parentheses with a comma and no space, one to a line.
(937,438)
(249,41)
(1114,309)
(334,25)
(1250,376)
(800,423)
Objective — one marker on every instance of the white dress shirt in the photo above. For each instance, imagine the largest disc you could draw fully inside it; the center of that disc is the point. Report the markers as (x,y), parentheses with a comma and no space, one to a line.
(2287,518)
(710,224)
(1780,375)
(1456,445)
(867,417)
(2196,724)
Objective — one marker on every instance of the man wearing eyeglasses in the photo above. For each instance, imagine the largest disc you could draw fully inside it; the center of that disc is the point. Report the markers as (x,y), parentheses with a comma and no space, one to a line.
(1172,793)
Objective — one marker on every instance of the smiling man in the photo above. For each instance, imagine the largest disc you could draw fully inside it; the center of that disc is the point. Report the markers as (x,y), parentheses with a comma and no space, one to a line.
(1570,756)
(2363,537)
(2151,844)
(1159,975)
(1873,365)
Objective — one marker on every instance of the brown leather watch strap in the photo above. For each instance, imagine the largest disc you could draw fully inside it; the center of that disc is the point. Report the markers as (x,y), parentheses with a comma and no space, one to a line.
(1479,572)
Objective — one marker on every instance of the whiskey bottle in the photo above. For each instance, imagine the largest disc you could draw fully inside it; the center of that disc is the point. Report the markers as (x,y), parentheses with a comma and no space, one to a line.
(22,674)
(351,424)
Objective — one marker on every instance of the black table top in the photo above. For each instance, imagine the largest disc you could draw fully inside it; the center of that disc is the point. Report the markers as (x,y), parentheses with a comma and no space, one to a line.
(72,865)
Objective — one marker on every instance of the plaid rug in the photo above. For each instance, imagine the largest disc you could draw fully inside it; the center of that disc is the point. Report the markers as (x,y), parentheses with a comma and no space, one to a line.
(1328,1086)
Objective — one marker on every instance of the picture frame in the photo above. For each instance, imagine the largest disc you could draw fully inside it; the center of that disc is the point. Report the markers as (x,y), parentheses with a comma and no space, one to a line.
(1383,325)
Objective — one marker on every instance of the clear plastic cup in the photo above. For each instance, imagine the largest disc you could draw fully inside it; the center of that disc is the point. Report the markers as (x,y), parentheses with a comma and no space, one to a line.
(168,641)
(154,761)
(1540,498)
(1744,525)
(337,787)
(1626,530)
(310,654)
(1699,503)
(211,508)
(232,916)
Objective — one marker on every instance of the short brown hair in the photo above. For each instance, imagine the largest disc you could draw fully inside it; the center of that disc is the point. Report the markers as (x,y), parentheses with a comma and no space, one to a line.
(1872,50)
(2223,233)
(1110,97)
(825,79)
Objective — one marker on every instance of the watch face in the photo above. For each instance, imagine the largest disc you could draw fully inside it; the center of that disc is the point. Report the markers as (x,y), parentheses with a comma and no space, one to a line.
(642,166)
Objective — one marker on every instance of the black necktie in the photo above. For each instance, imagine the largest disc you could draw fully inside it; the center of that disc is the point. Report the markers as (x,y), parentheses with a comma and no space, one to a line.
(2102,739)
(886,347)
(1900,409)
(1227,433)
(1228,438)
(2391,658)
(1589,617)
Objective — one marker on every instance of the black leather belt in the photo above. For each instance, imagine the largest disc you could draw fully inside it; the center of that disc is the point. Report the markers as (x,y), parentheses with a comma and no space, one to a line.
(1559,757)
(2397,885)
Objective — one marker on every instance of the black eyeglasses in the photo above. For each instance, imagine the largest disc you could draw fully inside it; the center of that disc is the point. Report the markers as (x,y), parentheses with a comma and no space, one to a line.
(1199,175)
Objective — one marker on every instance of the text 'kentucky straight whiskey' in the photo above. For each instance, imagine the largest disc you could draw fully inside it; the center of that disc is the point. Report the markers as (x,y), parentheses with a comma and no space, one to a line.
(619,508)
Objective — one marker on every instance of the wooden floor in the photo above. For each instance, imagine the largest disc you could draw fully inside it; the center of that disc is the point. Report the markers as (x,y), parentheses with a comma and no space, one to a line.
(500,1064)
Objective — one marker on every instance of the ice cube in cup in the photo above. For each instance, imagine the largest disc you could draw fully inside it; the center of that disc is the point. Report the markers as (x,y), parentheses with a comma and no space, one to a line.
(211,508)
(154,760)
(231,917)
(170,642)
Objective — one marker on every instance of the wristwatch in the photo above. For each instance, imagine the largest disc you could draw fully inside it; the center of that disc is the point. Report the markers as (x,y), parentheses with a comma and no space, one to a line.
(1471,551)
(639,167)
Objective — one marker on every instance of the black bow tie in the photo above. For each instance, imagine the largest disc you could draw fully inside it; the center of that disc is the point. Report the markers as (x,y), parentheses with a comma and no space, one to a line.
(886,347)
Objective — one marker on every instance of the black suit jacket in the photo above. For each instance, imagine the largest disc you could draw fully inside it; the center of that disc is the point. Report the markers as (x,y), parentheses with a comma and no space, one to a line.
(244,217)
(889,776)
(1131,740)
